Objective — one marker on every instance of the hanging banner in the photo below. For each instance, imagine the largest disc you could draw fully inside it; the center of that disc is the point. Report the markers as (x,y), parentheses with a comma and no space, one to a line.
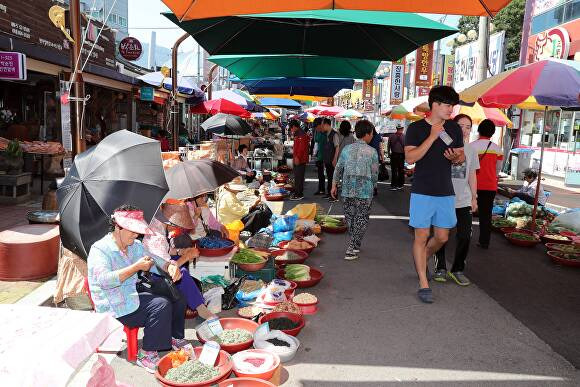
(12,66)
(65,118)
(397,79)
(368,93)
(424,69)
(448,67)
(422,90)
(467,60)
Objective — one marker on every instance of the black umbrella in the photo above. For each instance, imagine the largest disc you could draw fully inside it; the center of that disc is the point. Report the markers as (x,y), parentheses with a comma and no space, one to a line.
(192,178)
(227,124)
(124,168)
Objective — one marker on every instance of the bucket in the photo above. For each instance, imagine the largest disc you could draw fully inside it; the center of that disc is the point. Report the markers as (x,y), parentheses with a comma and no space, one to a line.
(234,228)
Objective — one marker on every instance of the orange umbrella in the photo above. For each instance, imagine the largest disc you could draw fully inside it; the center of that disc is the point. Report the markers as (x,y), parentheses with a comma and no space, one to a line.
(201,9)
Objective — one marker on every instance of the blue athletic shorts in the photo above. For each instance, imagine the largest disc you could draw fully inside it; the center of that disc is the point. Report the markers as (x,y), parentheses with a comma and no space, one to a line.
(426,211)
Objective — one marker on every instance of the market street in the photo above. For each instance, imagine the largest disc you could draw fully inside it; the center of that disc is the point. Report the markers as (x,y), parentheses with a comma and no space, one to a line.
(371,330)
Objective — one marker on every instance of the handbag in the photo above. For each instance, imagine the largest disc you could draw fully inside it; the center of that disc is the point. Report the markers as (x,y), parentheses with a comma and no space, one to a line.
(383,172)
(160,285)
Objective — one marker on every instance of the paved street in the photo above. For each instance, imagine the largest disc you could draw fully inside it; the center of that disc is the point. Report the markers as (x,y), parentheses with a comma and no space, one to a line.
(516,326)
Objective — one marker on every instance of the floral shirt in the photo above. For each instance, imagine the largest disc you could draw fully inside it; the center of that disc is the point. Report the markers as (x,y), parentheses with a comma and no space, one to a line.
(109,294)
(358,169)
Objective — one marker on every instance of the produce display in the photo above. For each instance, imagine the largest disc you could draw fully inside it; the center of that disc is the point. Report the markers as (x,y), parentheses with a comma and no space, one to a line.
(298,245)
(248,256)
(568,249)
(502,222)
(250,311)
(278,342)
(329,221)
(556,237)
(282,324)
(297,272)
(192,371)
(287,306)
(288,256)
(250,286)
(178,357)
(572,257)
(305,298)
(213,243)
(523,237)
(233,336)
(253,362)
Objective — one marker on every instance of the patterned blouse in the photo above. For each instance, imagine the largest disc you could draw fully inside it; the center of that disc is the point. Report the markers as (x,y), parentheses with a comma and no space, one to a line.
(358,170)
(109,294)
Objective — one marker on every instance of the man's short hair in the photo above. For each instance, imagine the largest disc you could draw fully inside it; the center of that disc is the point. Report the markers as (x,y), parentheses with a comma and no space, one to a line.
(327,121)
(317,122)
(443,94)
(363,127)
(486,128)
(241,148)
(530,173)
(294,124)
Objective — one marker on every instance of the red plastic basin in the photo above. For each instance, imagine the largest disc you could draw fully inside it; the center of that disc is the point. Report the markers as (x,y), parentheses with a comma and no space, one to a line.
(283,244)
(519,242)
(303,256)
(245,382)
(224,362)
(264,375)
(216,252)
(315,277)
(556,257)
(233,323)
(296,318)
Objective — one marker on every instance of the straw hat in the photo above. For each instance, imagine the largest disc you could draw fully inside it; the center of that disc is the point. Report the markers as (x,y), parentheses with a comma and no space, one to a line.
(178,215)
(133,221)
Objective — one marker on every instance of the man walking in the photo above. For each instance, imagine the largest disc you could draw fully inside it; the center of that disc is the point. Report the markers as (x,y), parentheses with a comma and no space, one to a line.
(319,137)
(358,169)
(433,144)
(396,150)
(300,158)
(330,154)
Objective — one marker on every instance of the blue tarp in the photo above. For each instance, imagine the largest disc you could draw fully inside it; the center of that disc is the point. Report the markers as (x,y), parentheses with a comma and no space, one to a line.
(320,87)
(280,102)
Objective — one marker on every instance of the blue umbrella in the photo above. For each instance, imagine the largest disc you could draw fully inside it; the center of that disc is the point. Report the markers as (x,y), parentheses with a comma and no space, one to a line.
(280,102)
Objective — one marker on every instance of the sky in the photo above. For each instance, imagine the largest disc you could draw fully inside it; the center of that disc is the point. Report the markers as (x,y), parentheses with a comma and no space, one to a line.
(145,15)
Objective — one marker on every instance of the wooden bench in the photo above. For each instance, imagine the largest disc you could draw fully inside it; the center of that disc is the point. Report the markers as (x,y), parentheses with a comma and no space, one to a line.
(15,188)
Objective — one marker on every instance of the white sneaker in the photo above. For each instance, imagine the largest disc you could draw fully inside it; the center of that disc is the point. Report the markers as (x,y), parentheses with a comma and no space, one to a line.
(351,256)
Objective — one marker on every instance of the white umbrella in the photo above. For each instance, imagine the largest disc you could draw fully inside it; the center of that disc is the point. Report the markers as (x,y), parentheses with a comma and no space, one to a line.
(184,84)
(230,96)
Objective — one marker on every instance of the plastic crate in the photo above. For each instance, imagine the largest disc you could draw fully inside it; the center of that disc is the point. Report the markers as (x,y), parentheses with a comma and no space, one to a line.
(267,274)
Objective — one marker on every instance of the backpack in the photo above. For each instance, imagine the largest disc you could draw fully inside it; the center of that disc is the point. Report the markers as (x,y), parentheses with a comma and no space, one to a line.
(329,148)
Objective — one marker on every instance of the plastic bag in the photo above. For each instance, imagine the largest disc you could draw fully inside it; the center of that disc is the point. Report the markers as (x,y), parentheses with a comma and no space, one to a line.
(261,240)
(213,299)
(282,236)
(499,209)
(304,211)
(261,343)
(569,220)
(312,239)
(284,223)
(215,279)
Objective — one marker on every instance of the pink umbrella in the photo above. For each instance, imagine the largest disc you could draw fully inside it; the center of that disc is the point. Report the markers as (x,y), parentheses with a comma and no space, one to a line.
(331,111)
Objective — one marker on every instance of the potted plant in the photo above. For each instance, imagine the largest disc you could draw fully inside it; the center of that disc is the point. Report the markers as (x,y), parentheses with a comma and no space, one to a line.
(13,159)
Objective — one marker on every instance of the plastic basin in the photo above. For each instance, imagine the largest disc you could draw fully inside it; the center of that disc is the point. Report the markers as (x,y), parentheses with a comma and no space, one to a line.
(216,252)
(251,267)
(264,375)
(519,242)
(547,239)
(224,362)
(296,318)
(557,257)
(315,277)
(274,198)
(560,246)
(303,256)
(310,308)
(283,244)
(334,230)
(245,382)
(233,323)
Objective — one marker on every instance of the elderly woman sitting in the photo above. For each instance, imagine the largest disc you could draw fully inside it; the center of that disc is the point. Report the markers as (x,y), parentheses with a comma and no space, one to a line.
(528,191)
(113,263)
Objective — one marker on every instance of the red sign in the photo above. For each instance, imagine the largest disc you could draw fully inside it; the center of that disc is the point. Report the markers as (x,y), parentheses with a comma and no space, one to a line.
(12,66)
(424,69)
(421,91)
(367,94)
(130,48)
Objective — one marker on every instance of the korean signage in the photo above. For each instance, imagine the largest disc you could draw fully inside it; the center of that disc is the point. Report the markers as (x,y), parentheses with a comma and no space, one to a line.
(65,120)
(12,66)
(147,93)
(424,65)
(541,6)
(397,82)
(130,48)
(367,94)
(423,90)
(448,66)
(554,43)
(467,61)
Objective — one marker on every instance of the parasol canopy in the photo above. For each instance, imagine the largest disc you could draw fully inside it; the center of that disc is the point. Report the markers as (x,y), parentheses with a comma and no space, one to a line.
(220,105)
(195,177)
(227,124)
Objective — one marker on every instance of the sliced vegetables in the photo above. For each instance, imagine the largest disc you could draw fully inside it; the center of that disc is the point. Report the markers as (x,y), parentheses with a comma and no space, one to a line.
(297,272)
(247,256)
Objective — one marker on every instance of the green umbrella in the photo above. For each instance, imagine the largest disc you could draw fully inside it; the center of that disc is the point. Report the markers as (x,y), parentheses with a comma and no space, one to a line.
(266,66)
(341,33)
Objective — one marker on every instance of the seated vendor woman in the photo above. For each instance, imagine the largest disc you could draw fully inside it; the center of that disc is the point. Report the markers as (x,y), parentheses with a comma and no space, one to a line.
(230,208)
(240,163)
(113,263)
(528,191)
(204,220)
(171,242)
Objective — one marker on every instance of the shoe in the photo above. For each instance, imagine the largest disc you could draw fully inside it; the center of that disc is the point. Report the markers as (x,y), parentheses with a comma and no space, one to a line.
(317,193)
(177,344)
(148,360)
(351,256)
(332,200)
(485,247)
(440,275)
(296,197)
(356,251)
(400,188)
(460,278)
(425,295)
(394,189)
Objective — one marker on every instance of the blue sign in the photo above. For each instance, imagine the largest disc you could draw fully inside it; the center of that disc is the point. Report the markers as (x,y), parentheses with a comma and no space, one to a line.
(147,93)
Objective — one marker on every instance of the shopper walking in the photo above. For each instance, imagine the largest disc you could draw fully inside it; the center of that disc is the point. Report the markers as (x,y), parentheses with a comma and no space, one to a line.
(345,136)
(300,158)
(490,160)
(464,181)
(318,152)
(357,170)
(330,154)
(433,144)
(396,151)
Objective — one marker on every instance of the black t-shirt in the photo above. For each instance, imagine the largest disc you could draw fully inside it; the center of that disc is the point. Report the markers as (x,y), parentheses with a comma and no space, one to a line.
(433,172)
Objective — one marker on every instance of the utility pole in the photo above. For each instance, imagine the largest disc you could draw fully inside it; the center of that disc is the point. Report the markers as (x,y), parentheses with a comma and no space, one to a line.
(483,47)
(438,54)
(76,77)
(526,30)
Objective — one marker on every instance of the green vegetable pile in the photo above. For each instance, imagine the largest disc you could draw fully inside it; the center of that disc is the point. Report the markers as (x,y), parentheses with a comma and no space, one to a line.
(523,237)
(329,221)
(502,222)
(233,336)
(192,371)
(297,272)
(569,249)
(247,256)
(573,257)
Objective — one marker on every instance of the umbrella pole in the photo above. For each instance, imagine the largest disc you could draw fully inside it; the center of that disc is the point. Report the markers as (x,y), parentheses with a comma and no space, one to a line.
(535,212)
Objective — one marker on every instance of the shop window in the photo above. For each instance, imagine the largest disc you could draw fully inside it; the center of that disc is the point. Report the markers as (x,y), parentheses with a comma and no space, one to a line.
(564,13)
(573,10)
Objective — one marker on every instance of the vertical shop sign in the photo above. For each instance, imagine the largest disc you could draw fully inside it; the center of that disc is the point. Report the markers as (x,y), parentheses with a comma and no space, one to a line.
(368,93)
(12,66)
(424,68)
(147,93)
(422,90)
(65,118)
(448,67)
(397,79)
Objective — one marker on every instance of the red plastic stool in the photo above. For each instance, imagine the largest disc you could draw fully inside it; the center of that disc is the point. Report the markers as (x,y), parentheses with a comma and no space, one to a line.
(130,332)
